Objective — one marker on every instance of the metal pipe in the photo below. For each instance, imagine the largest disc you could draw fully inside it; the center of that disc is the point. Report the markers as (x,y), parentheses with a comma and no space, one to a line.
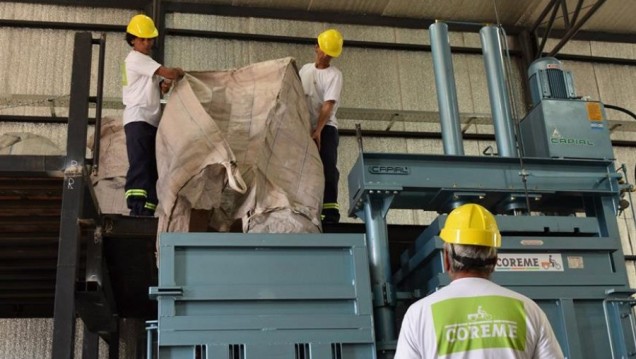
(380,266)
(446,91)
(498,92)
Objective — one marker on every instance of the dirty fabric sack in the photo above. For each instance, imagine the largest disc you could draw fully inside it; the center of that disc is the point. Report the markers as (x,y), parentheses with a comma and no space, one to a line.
(110,178)
(25,143)
(237,143)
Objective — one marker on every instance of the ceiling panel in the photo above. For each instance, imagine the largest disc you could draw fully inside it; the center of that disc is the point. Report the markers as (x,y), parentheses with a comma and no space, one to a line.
(276,4)
(613,16)
(462,10)
(366,7)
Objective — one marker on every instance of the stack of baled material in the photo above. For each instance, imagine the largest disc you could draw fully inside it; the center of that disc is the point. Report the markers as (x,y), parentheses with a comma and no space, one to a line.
(236,145)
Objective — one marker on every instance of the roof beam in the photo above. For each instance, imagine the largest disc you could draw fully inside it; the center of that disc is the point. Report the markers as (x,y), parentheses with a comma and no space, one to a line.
(298,15)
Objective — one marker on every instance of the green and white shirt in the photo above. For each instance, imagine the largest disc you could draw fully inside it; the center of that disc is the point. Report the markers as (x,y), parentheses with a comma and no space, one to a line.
(476,318)
(140,92)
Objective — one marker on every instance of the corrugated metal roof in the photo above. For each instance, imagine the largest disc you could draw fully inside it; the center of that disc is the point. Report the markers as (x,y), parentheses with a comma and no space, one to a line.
(613,16)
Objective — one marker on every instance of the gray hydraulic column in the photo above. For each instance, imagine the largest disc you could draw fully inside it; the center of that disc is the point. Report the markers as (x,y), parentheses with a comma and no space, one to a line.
(499,97)
(380,266)
(446,91)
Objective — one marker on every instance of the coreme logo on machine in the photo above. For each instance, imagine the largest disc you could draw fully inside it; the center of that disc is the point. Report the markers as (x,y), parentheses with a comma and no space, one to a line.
(524,262)
(390,170)
(472,324)
(557,138)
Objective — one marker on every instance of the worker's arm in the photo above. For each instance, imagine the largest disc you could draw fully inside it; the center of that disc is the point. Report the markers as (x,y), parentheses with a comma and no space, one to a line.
(170,73)
(323,118)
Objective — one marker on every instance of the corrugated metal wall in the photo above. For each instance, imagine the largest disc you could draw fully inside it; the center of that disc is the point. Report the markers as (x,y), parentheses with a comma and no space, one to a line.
(36,64)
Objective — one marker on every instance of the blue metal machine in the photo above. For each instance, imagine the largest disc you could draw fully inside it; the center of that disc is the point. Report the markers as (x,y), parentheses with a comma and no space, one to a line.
(556,206)
(263,296)
(555,194)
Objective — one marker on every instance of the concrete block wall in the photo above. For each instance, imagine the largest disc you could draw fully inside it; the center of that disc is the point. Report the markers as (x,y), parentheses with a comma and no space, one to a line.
(32,338)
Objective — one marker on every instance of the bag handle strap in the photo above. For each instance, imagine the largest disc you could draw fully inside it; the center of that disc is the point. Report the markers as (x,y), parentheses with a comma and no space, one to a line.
(234,178)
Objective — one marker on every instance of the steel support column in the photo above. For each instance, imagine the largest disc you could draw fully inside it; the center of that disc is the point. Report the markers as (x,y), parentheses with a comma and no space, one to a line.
(72,201)
(99,100)
(90,345)
(158,14)
(528,44)
(113,342)
(374,215)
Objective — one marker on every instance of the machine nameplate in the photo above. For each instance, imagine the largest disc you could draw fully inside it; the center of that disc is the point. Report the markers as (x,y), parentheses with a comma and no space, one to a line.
(531,242)
(390,170)
(575,262)
(533,262)
(572,141)
(594,112)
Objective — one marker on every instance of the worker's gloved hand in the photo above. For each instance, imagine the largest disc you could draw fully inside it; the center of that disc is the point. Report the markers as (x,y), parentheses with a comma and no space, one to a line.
(166,85)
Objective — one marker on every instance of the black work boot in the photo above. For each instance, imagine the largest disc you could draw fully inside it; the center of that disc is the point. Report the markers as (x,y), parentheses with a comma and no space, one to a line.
(147,212)
(136,206)
(330,216)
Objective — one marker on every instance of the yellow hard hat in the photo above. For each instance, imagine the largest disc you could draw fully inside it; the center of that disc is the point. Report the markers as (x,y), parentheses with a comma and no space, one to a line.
(142,26)
(330,42)
(471,224)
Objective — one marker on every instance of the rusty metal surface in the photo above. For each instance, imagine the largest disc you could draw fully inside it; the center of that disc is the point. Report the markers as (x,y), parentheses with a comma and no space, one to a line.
(29,232)
(30,210)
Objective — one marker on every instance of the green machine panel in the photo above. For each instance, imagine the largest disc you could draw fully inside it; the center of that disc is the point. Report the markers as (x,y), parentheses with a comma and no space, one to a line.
(567,129)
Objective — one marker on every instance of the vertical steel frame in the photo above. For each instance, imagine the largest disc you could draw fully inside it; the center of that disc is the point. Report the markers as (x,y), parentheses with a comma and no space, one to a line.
(79,214)
(99,100)
(72,200)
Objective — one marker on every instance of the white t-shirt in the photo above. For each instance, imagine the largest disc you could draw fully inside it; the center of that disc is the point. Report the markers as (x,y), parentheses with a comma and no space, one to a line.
(321,85)
(141,93)
(476,318)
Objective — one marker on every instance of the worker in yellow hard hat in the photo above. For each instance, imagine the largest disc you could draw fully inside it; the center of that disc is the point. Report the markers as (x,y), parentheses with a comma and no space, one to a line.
(143,81)
(322,83)
(473,317)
